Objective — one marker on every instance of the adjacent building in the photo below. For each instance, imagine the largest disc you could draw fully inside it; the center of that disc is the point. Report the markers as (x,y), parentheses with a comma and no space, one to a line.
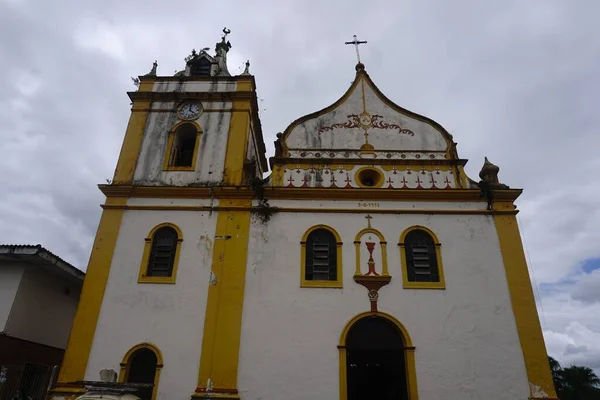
(39,293)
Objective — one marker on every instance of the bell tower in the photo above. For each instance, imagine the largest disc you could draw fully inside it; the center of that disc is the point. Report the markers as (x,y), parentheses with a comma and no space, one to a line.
(198,128)
(191,139)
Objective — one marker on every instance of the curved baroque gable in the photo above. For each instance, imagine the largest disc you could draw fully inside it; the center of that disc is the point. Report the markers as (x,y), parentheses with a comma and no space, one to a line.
(364,119)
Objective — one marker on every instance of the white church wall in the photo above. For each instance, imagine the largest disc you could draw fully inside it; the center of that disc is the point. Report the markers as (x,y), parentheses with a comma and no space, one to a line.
(211,149)
(465,336)
(389,129)
(170,316)
(199,86)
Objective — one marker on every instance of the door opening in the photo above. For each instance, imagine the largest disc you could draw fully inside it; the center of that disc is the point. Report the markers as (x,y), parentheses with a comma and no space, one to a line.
(375,361)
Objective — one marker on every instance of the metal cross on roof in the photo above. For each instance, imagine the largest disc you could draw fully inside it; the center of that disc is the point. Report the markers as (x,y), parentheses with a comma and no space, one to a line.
(356,42)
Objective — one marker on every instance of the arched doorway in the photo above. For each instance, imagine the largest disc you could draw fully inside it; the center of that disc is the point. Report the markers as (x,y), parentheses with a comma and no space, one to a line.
(376,360)
(142,364)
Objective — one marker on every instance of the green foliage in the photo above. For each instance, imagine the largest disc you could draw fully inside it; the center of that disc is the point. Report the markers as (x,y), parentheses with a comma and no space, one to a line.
(574,382)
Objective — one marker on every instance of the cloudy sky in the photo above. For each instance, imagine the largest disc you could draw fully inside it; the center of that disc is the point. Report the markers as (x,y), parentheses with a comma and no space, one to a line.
(514,80)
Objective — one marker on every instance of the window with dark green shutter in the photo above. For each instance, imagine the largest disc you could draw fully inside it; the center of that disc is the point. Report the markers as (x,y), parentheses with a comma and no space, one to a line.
(421,260)
(321,256)
(162,254)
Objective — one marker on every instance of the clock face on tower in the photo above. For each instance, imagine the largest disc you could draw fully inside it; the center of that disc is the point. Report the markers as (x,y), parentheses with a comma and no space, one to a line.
(189,110)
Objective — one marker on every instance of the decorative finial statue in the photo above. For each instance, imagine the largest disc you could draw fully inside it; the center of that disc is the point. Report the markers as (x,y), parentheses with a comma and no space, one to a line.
(489,175)
(136,82)
(221,49)
(153,70)
(191,56)
(489,181)
(278,146)
(247,69)
(223,46)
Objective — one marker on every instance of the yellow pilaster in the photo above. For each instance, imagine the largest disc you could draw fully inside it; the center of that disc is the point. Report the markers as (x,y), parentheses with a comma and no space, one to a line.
(523,303)
(132,142)
(84,325)
(217,377)
(239,134)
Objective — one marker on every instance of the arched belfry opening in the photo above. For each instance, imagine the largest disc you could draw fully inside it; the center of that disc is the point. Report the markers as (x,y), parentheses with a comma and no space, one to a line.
(378,360)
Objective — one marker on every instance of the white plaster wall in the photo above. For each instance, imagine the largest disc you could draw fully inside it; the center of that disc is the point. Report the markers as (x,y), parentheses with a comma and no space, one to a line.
(465,336)
(394,177)
(211,149)
(171,316)
(213,85)
(10,278)
(307,136)
(43,309)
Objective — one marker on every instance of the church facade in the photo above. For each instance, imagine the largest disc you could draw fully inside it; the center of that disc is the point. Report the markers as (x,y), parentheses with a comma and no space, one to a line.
(366,265)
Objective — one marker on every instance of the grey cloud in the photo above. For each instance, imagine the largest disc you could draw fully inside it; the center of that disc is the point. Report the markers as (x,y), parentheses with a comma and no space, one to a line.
(515,81)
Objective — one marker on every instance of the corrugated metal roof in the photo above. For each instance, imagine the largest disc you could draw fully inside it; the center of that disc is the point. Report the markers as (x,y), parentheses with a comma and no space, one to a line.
(36,254)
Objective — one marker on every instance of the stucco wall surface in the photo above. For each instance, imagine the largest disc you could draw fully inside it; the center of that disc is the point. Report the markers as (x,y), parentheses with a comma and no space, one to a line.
(170,316)
(465,336)
(211,149)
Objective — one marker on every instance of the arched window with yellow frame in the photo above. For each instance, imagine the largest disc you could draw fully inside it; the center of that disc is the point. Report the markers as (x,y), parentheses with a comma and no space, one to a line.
(142,365)
(421,255)
(321,258)
(161,254)
(182,147)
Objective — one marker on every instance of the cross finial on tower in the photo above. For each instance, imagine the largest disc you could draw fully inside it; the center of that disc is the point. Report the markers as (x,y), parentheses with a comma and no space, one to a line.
(356,42)
(368,217)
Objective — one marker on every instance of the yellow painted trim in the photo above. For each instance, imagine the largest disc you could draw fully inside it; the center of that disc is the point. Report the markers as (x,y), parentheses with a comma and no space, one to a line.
(244,85)
(313,210)
(223,318)
(409,355)
(523,304)
(347,194)
(125,364)
(142,278)
(321,284)
(78,349)
(132,143)
(277,176)
(171,140)
(438,255)
(382,243)
(378,182)
(238,136)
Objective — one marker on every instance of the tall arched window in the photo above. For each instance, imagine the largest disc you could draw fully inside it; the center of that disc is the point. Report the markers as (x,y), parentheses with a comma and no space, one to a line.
(161,254)
(142,365)
(321,258)
(182,147)
(421,259)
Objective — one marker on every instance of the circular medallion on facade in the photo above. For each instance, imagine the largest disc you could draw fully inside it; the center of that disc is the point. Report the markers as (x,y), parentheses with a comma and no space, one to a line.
(346,154)
(189,110)
(403,156)
(388,155)
(303,154)
(332,155)
(317,155)
(418,156)
(365,119)
(373,295)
